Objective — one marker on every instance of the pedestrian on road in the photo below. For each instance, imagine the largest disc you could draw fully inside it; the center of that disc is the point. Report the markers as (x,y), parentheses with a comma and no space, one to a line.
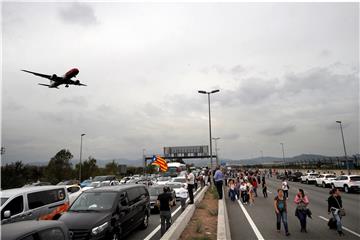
(164,200)
(232,192)
(285,187)
(254,183)
(218,179)
(190,178)
(302,201)
(264,189)
(243,192)
(281,211)
(250,189)
(336,209)
(183,192)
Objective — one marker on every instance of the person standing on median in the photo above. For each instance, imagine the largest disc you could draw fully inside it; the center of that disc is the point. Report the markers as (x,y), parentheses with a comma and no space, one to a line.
(218,179)
(164,200)
(190,178)
(281,211)
(183,192)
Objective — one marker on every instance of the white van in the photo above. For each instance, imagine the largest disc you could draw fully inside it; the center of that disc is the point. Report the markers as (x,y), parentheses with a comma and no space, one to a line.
(42,202)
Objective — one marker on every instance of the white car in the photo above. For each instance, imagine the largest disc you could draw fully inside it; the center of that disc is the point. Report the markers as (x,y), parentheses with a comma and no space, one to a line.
(309,178)
(324,180)
(163,180)
(177,188)
(347,182)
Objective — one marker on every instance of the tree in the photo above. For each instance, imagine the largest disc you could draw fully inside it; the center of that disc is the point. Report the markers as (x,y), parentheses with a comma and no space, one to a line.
(89,168)
(59,167)
(112,168)
(12,175)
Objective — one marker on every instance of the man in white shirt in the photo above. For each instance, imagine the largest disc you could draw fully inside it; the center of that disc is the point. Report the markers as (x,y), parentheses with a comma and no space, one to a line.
(190,185)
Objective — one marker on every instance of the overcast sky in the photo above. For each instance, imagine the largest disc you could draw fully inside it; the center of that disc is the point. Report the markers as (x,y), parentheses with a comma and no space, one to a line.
(286,72)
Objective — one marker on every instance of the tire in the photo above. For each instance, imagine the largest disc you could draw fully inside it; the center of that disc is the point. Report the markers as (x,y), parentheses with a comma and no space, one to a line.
(346,189)
(323,185)
(332,186)
(307,181)
(145,222)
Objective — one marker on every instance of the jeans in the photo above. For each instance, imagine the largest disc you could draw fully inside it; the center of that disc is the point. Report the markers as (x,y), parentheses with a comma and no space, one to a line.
(165,217)
(281,216)
(191,193)
(232,194)
(219,188)
(255,191)
(286,193)
(302,214)
(183,203)
(337,217)
(265,192)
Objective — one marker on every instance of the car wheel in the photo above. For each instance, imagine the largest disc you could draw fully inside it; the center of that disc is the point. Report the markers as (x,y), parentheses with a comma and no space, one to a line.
(307,181)
(323,185)
(346,189)
(332,186)
(145,222)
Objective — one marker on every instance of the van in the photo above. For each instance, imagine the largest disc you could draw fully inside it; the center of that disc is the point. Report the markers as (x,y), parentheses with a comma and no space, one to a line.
(108,212)
(42,203)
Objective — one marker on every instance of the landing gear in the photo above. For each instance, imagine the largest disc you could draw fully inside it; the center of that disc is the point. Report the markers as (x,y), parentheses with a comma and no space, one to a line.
(66,85)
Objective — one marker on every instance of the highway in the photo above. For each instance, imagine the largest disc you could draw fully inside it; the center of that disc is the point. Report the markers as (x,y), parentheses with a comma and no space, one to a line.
(152,232)
(259,221)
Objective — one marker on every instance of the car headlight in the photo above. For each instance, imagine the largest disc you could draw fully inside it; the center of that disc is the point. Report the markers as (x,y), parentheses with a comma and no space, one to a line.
(99,229)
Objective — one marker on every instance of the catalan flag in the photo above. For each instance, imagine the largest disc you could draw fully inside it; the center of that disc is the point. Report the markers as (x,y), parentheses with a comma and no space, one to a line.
(159,161)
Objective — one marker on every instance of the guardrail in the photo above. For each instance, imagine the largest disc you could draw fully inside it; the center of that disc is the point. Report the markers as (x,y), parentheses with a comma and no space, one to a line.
(223,228)
(181,222)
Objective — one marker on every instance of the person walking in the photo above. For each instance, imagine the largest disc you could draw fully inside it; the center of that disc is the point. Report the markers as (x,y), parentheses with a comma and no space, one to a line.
(232,193)
(264,189)
(285,187)
(281,211)
(302,201)
(218,179)
(190,185)
(183,192)
(254,183)
(164,200)
(336,209)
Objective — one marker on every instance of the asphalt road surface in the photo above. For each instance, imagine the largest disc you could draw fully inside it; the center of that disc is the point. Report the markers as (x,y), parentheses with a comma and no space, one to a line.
(259,221)
(152,232)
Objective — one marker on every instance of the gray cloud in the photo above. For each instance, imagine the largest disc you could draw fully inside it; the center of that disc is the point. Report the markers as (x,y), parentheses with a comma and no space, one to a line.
(325,53)
(238,69)
(278,131)
(78,13)
(77,101)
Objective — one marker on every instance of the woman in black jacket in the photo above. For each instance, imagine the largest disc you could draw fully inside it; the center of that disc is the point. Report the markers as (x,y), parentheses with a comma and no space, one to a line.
(334,206)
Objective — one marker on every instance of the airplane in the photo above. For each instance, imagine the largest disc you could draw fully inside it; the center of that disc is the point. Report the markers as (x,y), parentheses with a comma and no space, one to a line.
(56,81)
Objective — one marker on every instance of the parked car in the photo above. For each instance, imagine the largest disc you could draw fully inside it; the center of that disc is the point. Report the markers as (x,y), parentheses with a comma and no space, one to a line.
(124,180)
(347,182)
(37,184)
(43,202)
(162,180)
(69,182)
(104,178)
(309,178)
(176,186)
(74,191)
(85,183)
(324,180)
(31,230)
(154,192)
(295,177)
(108,212)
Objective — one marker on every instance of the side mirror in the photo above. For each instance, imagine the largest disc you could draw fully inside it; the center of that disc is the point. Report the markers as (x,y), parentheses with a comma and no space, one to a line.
(7,214)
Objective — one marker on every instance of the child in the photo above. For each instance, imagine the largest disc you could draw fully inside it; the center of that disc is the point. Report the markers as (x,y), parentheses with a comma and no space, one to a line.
(264,189)
(183,192)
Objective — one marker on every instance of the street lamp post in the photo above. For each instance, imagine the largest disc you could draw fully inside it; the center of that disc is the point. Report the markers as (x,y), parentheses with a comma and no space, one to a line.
(81,138)
(216,150)
(208,93)
(282,146)
(343,140)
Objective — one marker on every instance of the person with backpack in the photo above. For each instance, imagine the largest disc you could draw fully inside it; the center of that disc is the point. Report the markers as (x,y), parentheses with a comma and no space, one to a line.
(302,201)
(281,211)
(336,209)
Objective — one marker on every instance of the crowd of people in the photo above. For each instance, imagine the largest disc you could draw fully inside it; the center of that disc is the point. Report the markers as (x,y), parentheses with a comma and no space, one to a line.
(243,186)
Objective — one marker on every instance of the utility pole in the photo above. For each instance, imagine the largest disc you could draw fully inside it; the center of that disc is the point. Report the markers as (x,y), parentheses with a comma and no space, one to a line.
(343,140)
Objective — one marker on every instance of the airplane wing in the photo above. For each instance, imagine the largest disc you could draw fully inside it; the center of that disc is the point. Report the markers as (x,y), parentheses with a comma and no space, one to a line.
(47,85)
(38,74)
(80,84)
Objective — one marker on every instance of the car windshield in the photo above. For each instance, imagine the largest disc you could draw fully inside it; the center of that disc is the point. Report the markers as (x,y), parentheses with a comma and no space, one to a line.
(330,176)
(175,185)
(164,178)
(99,178)
(155,191)
(181,180)
(313,174)
(3,200)
(355,178)
(94,184)
(94,201)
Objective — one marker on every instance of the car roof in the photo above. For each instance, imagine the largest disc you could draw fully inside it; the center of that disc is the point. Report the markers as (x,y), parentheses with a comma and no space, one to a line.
(115,188)
(15,191)
(16,230)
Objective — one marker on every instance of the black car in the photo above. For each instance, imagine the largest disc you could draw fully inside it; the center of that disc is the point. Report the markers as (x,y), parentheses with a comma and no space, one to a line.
(35,229)
(295,177)
(108,212)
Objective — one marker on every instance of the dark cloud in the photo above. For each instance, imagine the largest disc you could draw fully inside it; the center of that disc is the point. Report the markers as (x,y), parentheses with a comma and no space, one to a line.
(278,131)
(78,13)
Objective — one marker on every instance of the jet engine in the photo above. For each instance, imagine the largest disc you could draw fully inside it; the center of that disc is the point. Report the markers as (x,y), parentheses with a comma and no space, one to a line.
(77,82)
(53,77)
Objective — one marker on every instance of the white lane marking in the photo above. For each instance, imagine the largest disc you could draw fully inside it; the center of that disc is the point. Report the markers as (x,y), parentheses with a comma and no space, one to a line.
(252,224)
(345,228)
(148,237)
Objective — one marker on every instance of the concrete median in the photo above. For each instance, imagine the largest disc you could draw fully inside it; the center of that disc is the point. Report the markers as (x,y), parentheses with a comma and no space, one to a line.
(223,228)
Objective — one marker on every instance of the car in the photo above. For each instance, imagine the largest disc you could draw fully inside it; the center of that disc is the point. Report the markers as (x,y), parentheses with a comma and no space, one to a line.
(39,230)
(324,180)
(281,176)
(42,202)
(309,178)
(295,177)
(85,183)
(154,192)
(104,178)
(38,183)
(347,182)
(109,212)
(124,180)
(74,191)
(162,180)
(69,182)
(176,186)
